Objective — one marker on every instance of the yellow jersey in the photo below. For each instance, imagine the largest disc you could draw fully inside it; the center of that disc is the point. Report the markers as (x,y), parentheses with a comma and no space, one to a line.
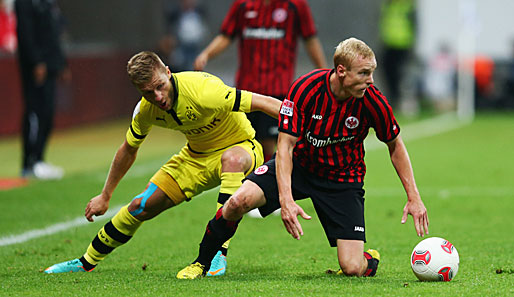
(209,113)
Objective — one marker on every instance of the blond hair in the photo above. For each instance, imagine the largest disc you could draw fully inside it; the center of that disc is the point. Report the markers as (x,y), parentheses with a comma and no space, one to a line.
(142,66)
(348,50)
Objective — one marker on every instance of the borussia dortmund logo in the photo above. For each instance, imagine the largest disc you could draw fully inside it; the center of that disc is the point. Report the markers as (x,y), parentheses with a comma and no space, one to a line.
(190,114)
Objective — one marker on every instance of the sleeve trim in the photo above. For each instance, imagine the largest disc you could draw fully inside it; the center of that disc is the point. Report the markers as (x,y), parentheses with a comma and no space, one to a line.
(135,134)
(237,102)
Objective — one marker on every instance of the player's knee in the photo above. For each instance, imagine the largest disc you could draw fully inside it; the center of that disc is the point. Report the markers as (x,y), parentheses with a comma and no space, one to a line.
(351,268)
(233,160)
(135,207)
(237,205)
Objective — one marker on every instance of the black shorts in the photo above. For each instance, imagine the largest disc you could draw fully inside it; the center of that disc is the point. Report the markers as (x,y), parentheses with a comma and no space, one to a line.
(339,206)
(265,126)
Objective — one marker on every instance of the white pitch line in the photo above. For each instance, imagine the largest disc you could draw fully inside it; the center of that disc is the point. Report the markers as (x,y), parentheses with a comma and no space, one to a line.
(52,229)
(425,128)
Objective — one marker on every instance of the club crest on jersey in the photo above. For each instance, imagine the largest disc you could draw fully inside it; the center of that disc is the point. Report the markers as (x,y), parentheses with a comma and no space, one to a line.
(190,114)
(279,15)
(287,107)
(261,170)
(351,122)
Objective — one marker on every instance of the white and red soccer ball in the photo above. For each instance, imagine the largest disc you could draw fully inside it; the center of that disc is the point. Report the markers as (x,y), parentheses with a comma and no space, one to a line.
(435,259)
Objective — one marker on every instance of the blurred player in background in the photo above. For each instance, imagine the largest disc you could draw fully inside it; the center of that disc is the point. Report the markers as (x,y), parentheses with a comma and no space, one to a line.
(41,58)
(186,31)
(320,154)
(220,150)
(267,31)
(398,33)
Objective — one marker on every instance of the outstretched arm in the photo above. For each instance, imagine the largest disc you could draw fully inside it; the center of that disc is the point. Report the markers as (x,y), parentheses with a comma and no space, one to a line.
(217,45)
(315,51)
(122,162)
(414,205)
(266,104)
(284,163)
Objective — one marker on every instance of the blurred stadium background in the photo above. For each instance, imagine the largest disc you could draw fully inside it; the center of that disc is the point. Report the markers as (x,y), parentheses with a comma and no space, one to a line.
(101,35)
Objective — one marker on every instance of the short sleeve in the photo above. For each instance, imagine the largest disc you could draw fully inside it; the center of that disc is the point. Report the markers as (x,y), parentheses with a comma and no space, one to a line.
(230,25)
(224,98)
(292,115)
(139,127)
(382,117)
(306,21)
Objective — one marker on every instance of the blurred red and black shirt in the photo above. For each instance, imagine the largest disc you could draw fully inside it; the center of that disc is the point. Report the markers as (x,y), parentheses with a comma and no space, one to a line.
(268,39)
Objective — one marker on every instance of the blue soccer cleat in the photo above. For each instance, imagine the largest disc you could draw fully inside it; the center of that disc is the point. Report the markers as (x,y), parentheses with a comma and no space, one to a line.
(68,266)
(218,265)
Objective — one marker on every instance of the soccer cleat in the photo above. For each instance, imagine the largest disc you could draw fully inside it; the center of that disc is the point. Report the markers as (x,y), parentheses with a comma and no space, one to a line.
(374,253)
(68,266)
(195,270)
(218,265)
(373,257)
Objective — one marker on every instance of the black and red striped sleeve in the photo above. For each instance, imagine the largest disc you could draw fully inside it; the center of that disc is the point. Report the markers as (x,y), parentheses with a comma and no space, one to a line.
(306,21)
(296,108)
(382,117)
(230,26)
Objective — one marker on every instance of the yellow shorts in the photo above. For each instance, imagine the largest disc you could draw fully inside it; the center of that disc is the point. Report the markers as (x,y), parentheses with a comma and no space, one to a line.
(188,174)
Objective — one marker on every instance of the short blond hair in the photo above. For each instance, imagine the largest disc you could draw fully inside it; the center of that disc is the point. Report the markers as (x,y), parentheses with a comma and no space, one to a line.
(349,49)
(142,66)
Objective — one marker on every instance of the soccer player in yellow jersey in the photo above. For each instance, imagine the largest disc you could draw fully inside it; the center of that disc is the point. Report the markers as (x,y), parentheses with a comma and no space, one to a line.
(220,150)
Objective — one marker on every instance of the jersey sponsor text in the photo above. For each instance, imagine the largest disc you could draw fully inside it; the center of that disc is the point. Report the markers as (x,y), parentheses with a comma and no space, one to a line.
(317,142)
(263,33)
(203,129)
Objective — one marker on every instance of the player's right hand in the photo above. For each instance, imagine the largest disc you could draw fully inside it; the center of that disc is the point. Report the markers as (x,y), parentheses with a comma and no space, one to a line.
(200,62)
(290,212)
(97,206)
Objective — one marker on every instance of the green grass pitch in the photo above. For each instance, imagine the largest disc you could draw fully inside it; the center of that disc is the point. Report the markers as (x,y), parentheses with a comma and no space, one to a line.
(465,176)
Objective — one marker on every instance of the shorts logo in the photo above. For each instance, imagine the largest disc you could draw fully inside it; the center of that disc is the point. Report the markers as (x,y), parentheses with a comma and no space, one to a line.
(287,108)
(279,15)
(351,122)
(261,170)
(358,228)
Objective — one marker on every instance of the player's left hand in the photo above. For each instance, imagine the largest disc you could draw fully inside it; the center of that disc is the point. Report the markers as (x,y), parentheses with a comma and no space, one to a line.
(418,211)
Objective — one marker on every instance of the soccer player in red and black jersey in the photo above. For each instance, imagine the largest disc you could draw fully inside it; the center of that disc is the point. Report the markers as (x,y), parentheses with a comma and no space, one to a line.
(323,123)
(267,31)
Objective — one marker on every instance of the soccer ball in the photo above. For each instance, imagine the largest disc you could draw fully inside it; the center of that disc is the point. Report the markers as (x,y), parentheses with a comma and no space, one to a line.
(435,259)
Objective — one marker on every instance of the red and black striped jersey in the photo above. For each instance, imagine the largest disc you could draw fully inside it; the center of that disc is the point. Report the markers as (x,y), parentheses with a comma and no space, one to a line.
(331,132)
(267,41)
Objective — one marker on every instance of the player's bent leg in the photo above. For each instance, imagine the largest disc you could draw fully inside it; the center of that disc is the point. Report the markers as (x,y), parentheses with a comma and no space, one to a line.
(150,203)
(246,198)
(350,256)
(219,262)
(234,162)
(119,230)
(353,261)
(222,227)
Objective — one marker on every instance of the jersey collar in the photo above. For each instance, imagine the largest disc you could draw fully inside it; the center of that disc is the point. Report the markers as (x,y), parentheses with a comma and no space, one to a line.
(175,96)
